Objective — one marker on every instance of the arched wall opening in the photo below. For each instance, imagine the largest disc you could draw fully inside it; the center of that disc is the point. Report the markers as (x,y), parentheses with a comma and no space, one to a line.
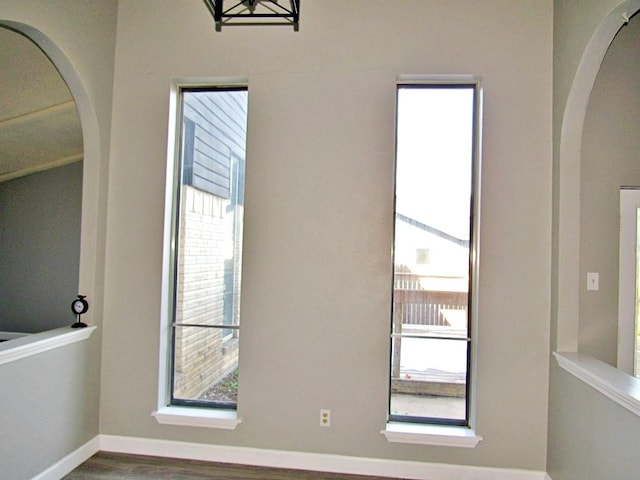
(569,280)
(89,243)
(610,163)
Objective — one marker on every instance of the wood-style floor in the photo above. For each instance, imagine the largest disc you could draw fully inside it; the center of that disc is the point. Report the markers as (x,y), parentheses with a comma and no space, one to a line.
(114,466)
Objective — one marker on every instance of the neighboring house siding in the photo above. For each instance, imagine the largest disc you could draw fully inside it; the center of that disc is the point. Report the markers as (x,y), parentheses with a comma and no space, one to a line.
(209,151)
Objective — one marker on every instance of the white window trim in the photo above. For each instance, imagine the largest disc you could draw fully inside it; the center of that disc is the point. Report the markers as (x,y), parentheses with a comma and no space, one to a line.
(197,417)
(629,202)
(423,434)
(171,414)
(452,435)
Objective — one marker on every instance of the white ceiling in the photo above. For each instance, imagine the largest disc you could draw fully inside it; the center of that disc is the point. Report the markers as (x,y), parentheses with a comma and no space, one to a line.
(39,124)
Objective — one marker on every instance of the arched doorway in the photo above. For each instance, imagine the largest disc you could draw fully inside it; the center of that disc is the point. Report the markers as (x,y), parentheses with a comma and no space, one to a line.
(569,282)
(91,160)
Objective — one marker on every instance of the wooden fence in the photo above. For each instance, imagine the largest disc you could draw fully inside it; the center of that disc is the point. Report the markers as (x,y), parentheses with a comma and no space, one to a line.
(422,307)
(426,307)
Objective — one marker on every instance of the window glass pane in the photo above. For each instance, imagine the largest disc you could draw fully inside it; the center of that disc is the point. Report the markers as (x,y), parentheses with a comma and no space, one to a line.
(206,366)
(431,378)
(433,226)
(208,257)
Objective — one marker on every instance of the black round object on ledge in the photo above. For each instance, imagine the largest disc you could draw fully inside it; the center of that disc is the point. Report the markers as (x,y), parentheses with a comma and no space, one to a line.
(78,307)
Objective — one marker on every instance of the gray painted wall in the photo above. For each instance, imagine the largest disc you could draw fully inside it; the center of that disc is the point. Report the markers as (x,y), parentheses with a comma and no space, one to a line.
(50,402)
(40,249)
(590,437)
(511,383)
(318,218)
(48,408)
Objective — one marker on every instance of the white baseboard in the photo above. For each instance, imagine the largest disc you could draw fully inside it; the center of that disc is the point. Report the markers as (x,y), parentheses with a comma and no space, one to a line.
(282,459)
(71,461)
(311,461)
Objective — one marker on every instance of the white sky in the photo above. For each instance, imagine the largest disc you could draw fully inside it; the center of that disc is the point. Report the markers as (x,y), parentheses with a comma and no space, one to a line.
(434,157)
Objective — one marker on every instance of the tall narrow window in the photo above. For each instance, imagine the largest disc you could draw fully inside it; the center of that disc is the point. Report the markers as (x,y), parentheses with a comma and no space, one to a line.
(433,253)
(207,246)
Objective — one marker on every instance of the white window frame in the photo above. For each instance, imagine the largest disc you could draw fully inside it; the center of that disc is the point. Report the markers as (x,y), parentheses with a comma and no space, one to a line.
(629,203)
(166,413)
(453,435)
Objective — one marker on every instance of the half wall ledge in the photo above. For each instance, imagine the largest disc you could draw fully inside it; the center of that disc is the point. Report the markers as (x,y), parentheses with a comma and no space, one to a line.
(615,384)
(41,342)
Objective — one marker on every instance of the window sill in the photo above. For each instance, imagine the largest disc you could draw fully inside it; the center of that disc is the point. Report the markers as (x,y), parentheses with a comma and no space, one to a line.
(440,435)
(197,417)
(36,343)
(615,384)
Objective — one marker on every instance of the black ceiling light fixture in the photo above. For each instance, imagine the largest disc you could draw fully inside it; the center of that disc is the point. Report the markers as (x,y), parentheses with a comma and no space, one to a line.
(254,12)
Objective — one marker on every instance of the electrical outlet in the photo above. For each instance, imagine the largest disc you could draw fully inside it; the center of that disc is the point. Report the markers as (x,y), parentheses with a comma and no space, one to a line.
(325,418)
